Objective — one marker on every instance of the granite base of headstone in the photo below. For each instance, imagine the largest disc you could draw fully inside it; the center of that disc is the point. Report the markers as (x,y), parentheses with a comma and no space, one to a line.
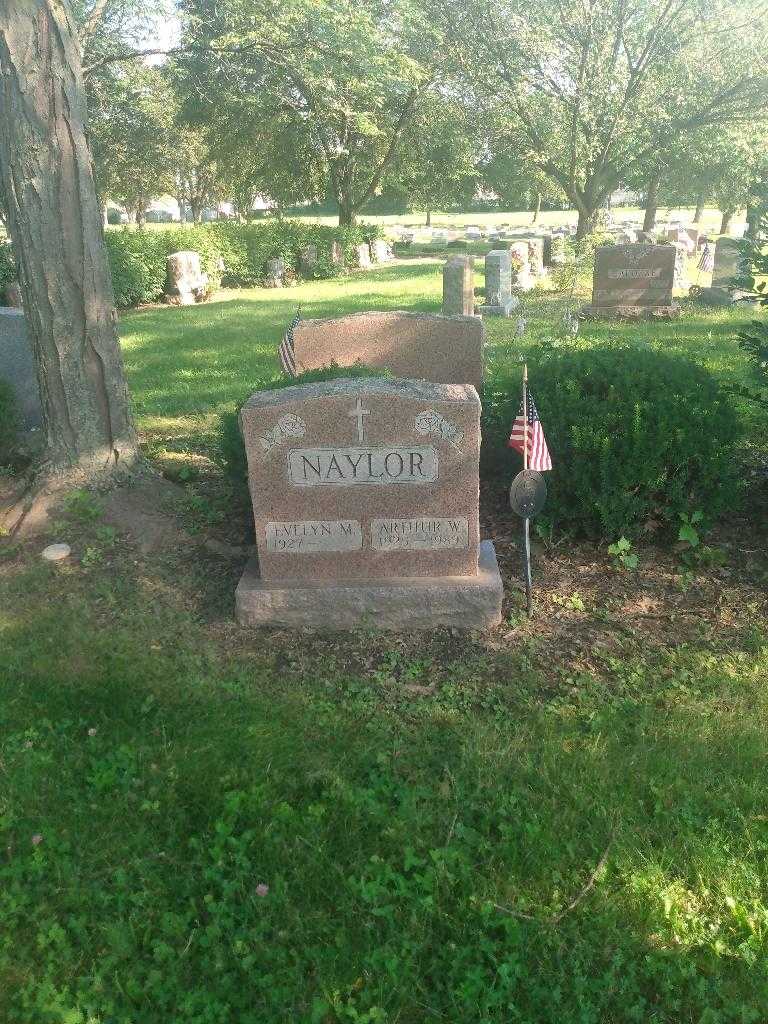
(632,282)
(17,366)
(499,300)
(366,508)
(186,283)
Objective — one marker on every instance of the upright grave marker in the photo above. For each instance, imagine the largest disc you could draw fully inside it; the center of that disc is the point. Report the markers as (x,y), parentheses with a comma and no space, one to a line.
(365,501)
(423,346)
(727,263)
(17,366)
(633,281)
(459,286)
(499,300)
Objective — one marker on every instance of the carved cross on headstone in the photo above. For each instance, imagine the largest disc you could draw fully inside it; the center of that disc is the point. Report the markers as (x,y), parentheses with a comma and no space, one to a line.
(357,413)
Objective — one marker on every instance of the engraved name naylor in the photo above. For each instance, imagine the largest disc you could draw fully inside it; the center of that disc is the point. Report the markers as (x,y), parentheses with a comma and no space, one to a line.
(339,467)
(427,533)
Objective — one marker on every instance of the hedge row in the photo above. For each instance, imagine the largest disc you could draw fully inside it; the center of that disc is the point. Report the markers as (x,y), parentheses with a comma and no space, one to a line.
(235,255)
(638,437)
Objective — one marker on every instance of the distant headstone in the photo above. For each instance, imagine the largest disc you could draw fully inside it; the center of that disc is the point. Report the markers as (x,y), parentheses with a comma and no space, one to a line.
(727,263)
(535,254)
(308,258)
(422,346)
(275,273)
(17,366)
(633,281)
(365,502)
(473,233)
(337,254)
(499,300)
(681,265)
(13,295)
(459,286)
(186,283)
(363,256)
(381,251)
(520,257)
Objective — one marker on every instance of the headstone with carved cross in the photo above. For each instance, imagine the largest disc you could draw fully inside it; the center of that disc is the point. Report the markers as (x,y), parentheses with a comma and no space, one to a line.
(365,503)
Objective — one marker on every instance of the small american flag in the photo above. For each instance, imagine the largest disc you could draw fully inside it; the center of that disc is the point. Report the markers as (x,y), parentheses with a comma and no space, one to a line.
(285,349)
(707,260)
(538,453)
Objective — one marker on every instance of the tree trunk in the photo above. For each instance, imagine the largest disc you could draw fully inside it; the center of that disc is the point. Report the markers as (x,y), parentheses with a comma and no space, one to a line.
(701,201)
(651,200)
(55,226)
(537,208)
(754,216)
(105,215)
(182,210)
(428,222)
(141,216)
(725,223)
(346,215)
(586,223)
(196,208)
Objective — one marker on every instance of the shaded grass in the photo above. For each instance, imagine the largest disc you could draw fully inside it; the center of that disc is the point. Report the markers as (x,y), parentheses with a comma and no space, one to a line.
(413,848)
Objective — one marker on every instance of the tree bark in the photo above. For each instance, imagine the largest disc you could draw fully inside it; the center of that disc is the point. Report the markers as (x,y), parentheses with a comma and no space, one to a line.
(536,208)
(701,201)
(428,221)
(346,212)
(182,210)
(55,226)
(725,223)
(586,223)
(651,200)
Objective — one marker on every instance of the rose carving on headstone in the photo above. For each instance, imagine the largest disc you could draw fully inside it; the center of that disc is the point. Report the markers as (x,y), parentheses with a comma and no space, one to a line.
(431,423)
(287,426)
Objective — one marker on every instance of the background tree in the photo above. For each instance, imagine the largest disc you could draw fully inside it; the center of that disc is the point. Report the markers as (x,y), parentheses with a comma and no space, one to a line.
(511,171)
(134,136)
(55,227)
(349,79)
(438,166)
(598,87)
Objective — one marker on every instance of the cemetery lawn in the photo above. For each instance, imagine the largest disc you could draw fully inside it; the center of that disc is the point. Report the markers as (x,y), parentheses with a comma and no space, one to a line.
(564,820)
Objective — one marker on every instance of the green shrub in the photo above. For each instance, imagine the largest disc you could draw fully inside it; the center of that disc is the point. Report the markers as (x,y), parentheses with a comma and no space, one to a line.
(138,260)
(636,436)
(9,423)
(235,255)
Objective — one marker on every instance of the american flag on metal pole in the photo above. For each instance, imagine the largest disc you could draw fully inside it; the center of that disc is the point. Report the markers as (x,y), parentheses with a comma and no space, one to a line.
(285,349)
(538,456)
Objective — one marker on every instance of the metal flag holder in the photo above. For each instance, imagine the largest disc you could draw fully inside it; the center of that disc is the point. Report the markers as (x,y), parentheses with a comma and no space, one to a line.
(526,497)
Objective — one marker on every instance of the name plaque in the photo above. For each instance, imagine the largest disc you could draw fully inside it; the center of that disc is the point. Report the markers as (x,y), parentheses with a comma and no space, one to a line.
(641,273)
(426,534)
(311,535)
(342,467)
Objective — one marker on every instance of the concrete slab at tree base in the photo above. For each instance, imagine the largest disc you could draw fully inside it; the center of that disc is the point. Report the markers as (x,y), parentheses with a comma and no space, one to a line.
(402,603)
(630,312)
